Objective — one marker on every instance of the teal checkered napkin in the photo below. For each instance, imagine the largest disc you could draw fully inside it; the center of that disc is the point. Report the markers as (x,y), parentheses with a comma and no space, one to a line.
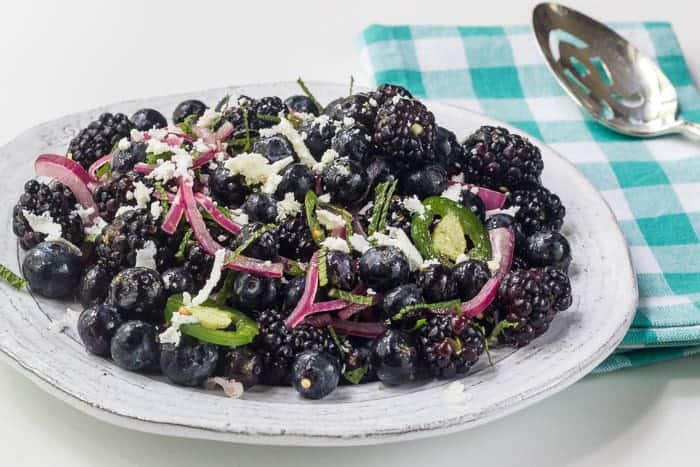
(652,185)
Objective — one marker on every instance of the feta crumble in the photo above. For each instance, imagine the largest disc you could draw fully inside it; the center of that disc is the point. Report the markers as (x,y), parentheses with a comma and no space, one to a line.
(462,258)
(286,129)
(511,211)
(453,192)
(214,278)
(146,256)
(156,209)
(335,243)
(172,334)
(142,194)
(136,136)
(329,220)
(398,238)
(96,228)
(44,224)
(208,118)
(359,243)
(163,172)
(325,198)
(123,144)
(326,159)
(84,213)
(288,207)
(414,205)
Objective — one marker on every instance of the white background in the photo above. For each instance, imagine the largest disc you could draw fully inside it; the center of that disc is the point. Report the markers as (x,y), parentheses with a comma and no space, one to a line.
(59,57)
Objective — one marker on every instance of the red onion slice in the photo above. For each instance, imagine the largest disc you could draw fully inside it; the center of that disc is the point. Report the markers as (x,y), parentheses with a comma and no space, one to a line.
(330,305)
(199,228)
(224,131)
(92,170)
(217,215)
(320,320)
(492,199)
(70,173)
(204,159)
(143,168)
(174,140)
(482,300)
(304,306)
(256,266)
(172,218)
(358,328)
(351,310)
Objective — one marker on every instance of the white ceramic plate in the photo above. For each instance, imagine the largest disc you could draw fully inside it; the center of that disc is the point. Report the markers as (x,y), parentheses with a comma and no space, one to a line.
(605,296)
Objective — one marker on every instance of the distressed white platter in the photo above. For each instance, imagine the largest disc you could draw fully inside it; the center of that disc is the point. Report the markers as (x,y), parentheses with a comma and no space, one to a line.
(605,298)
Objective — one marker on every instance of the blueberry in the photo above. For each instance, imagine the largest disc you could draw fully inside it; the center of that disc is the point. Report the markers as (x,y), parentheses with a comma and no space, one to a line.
(134,346)
(138,293)
(148,119)
(341,270)
(94,285)
(469,277)
(395,357)
(260,207)
(448,151)
(400,297)
(52,269)
(274,148)
(188,364)
(242,364)
(297,179)
(383,268)
(315,374)
(124,160)
(437,283)
(177,280)
(251,292)
(301,104)
(96,328)
(474,204)
(345,180)
(227,188)
(430,180)
(186,108)
(353,142)
(548,249)
(291,294)
(266,246)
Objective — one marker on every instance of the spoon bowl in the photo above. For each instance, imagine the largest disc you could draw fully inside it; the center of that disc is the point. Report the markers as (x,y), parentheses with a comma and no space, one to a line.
(614,81)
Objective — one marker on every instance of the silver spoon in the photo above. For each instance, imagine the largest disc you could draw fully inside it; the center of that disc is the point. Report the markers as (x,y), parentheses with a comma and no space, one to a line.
(621,87)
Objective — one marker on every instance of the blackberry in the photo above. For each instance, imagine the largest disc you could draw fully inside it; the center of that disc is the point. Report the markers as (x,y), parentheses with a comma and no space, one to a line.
(56,200)
(496,158)
(98,138)
(295,239)
(353,142)
(270,106)
(387,91)
(530,298)
(278,345)
(130,231)
(358,107)
(116,193)
(539,209)
(449,346)
(405,131)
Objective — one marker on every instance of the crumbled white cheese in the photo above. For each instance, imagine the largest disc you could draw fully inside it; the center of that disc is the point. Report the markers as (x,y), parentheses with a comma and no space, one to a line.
(201,147)
(129,195)
(288,207)
(136,136)
(453,192)
(123,144)
(271,184)
(240,218)
(43,223)
(286,129)
(348,121)
(474,189)
(511,211)
(459,178)
(142,194)
(398,238)
(429,262)
(183,164)
(163,172)
(395,100)
(326,159)
(156,210)
(335,243)
(146,256)
(329,220)
(124,208)
(172,335)
(158,133)
(208,118)
(370,291)
(359,243)
(222,238)
(220,156)
(325,198)
(156,146)
(254,167)
(96,228)
(365,208)
(462,258)
(84,213)
(493,265)
(373,102)
(214,277)
(414,205)
(67,321)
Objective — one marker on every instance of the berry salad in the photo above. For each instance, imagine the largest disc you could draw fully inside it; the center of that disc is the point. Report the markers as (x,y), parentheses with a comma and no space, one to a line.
(286,242)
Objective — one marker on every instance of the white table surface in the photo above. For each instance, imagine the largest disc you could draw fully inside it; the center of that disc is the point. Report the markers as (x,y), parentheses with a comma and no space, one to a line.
(63,57)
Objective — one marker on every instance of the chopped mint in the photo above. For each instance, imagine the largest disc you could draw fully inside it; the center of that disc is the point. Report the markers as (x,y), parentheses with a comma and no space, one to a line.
(356,375)
(104,171)
(304,88)
(351,297)
(322,267)
(249,241)
(449,304)
(11,278)
(180,254)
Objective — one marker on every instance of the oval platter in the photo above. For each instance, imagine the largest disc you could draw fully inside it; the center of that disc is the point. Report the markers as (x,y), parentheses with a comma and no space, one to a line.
(37,338)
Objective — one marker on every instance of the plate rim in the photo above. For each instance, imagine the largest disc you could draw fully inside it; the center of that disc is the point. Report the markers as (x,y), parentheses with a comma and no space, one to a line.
(447,425)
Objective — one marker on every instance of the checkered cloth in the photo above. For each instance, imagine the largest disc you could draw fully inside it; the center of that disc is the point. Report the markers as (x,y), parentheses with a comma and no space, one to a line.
(652,185)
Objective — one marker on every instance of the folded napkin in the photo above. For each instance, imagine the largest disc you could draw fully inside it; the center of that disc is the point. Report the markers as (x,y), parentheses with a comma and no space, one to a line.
(652,185)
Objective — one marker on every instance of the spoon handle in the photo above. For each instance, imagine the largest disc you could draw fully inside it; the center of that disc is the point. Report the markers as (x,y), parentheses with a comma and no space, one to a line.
(690,129)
